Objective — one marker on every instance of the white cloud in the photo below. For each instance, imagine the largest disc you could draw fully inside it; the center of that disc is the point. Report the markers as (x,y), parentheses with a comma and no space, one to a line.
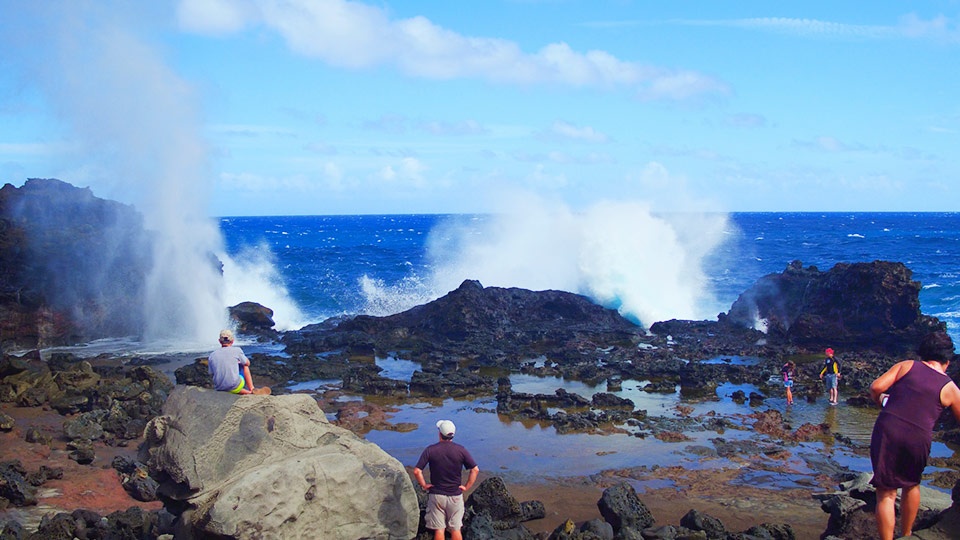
(217,17)
(830,144)
(680,86)
(540,178)
(356,35)
(320,148)
(939,28)
(410,171)
(565,130)
(466,127)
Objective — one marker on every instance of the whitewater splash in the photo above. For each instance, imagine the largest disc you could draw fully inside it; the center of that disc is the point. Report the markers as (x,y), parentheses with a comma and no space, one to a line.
(251,275)
(133,132)
(647,266)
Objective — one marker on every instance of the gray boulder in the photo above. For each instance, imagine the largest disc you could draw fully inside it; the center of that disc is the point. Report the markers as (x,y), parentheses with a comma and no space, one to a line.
(273,467)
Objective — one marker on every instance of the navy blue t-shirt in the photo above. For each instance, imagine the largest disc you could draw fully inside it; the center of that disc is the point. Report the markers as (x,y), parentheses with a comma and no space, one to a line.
(446,460)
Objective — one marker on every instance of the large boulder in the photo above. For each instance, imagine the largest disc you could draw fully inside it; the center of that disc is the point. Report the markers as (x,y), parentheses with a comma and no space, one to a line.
(253,319)
(622,508)
(273,467)
(865,305)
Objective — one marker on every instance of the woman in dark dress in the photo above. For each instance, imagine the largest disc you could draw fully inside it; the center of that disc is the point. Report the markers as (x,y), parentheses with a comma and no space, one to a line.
(912,395)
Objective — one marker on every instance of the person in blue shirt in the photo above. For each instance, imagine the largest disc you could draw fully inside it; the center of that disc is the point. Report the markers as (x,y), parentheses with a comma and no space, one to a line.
(230,368)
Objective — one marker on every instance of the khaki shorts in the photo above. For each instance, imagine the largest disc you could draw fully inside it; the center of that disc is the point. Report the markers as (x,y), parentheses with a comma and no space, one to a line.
(444,512)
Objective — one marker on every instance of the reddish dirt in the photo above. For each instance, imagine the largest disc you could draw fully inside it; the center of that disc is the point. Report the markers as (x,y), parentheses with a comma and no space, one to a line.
(738,508)
(95,486)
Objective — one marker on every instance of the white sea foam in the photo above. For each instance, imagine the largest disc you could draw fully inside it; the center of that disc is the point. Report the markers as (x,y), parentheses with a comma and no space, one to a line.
(251,275)
(619,253)
(381,300)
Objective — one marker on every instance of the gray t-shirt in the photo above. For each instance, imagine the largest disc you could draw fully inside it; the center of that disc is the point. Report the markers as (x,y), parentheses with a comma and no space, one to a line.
(224,364)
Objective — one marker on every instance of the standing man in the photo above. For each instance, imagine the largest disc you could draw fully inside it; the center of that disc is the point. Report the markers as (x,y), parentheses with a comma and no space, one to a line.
(831,368)
(446,460)
(230,368)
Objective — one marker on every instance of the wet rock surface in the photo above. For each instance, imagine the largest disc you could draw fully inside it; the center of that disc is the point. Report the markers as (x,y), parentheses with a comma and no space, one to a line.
(54,239)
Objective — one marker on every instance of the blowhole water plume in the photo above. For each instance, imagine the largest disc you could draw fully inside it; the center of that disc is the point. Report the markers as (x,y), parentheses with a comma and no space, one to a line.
(620,254)
(251,275)
(135,132)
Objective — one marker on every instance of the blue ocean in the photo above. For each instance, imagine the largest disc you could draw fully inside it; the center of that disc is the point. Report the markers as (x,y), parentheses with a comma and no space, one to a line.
(382,264)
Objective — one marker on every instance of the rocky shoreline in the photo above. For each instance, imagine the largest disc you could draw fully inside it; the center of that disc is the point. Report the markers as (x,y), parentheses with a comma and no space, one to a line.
(712,496)
(107,401)
(71,425)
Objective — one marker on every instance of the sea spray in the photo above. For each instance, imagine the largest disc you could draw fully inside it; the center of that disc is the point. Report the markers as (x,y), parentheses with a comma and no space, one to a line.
(381,299)
(252,275)
(133,132)
(621,254)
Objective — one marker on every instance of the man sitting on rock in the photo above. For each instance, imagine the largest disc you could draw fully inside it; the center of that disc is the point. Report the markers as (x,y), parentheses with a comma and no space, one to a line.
(446,460)
(230,368)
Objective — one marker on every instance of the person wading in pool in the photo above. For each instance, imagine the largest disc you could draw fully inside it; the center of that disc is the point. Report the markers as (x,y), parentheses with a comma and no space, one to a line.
(788,370)
(831,369)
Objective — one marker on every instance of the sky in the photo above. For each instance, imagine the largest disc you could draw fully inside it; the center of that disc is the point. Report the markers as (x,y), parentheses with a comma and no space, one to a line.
(309,107)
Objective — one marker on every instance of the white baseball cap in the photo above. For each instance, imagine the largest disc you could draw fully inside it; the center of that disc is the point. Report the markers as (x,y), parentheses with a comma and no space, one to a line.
(447,429)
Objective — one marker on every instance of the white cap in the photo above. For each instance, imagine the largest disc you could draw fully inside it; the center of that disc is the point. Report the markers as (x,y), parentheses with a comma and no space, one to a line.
(447,429)
(226,335)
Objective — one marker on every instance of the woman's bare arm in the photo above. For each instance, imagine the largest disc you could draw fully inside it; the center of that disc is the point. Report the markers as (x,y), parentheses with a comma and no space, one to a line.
(885,381)
(950,397)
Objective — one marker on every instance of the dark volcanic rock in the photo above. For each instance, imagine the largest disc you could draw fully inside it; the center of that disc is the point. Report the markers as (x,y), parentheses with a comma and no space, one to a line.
(698,521)
(860,305)
(622,508)
(254,319)
(487,325)
(14,486)
(59,246)
(493,513)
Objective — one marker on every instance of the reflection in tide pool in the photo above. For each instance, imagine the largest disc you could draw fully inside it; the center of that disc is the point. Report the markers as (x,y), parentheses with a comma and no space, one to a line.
(653,403)
(518,449)
(317,385)
(528,449)
(394,368)
(733,360)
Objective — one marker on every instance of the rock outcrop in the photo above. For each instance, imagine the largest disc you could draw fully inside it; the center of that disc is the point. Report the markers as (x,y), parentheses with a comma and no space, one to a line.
(858,305)
(487,324)
(273,467)
(253,319)
(72,266)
